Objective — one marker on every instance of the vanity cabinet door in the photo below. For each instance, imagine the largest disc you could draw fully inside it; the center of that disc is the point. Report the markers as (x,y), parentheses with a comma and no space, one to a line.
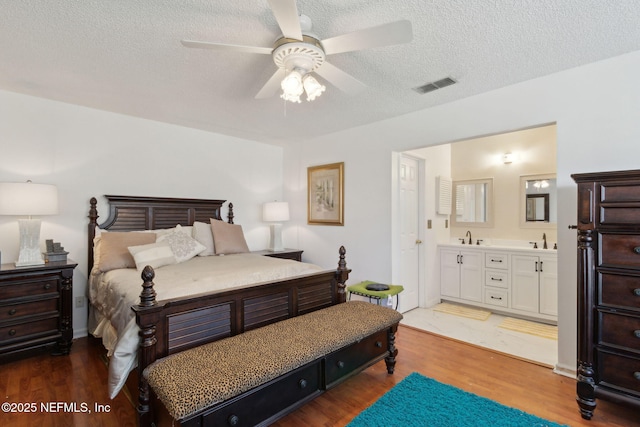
(461,274)
(549,285)
(471,275)
(524,283)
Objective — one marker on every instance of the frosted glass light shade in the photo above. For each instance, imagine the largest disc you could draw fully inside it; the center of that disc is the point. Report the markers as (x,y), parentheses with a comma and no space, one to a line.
(27,198)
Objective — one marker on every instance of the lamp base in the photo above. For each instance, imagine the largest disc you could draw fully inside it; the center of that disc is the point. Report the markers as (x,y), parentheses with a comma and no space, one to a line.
(29,243)
(275,244)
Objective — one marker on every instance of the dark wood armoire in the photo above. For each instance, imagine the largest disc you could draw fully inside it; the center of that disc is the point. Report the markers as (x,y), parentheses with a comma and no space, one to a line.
(608,288)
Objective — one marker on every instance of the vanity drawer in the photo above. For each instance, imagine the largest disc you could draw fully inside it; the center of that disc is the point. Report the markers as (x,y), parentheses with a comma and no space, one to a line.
(497,278)
(496,260)
(15,311)
(497,297)
(617,290)
(619,330)
(618,371)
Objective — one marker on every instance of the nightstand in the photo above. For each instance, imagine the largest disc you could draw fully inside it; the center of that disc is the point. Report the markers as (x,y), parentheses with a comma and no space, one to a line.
(294,254)
(36,309)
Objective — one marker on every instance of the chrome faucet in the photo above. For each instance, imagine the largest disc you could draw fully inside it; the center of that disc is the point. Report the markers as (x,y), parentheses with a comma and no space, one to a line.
(544,239)
(470,239)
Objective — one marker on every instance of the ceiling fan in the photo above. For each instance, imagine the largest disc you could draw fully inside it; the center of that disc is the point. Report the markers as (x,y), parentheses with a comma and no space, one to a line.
(298,52)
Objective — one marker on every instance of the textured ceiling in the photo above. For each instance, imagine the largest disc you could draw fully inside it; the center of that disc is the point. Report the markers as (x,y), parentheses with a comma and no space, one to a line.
(125,56)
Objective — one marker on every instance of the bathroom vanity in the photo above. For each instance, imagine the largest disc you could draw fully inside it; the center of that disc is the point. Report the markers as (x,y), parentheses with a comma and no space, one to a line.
(520,282)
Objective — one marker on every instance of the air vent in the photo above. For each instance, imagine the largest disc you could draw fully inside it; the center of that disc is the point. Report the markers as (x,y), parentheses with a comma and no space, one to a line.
(430,87)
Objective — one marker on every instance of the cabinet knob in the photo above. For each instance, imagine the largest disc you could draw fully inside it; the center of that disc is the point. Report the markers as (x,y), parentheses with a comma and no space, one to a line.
(636,250)
(636,333)
(47,286)
(233,420)
(12,312)
(636,375)
(379,344)
(340,364)
(302,383)
(12,332)
(636,292)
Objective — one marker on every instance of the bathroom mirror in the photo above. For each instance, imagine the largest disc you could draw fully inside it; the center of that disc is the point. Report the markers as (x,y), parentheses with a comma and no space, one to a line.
(473,203)
(538,201)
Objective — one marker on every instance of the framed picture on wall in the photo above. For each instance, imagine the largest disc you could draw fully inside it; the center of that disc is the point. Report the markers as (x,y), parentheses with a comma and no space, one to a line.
(325,194)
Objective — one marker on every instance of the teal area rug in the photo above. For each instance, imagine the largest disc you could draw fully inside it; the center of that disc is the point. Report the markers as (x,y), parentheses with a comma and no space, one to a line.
(421,401)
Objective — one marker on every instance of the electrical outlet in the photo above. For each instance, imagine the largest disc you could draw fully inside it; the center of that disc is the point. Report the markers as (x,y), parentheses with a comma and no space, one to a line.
(79,302)
(429,224)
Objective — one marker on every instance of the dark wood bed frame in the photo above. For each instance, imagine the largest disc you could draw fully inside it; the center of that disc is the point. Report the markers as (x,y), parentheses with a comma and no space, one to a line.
(174,325)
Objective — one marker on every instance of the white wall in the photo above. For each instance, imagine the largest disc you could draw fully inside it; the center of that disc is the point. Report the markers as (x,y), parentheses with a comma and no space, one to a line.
(597,129)
(89,153)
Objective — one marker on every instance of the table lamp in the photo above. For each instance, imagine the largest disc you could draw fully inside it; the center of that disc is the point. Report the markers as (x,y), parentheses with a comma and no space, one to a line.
(27,199)
(275,212)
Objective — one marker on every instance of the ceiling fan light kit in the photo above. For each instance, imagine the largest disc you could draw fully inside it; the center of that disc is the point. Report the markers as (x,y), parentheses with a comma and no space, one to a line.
(298,52)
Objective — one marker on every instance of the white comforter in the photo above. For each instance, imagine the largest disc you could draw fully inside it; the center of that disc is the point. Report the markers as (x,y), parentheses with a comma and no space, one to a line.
(113,293)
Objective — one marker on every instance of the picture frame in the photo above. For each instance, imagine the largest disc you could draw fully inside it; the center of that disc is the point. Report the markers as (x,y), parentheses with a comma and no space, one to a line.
(325,194)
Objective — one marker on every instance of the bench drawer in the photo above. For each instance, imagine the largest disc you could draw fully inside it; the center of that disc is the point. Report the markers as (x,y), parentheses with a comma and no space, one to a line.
(267,401)
(355,357)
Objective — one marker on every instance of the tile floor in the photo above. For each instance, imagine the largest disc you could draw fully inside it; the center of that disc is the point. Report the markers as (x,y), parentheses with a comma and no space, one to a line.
(485,333)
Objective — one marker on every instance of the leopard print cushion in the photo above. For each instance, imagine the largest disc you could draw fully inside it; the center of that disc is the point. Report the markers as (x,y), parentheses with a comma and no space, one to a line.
(194,379)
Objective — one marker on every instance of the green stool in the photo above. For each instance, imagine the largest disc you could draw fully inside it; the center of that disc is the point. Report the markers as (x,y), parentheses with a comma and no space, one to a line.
(361,289)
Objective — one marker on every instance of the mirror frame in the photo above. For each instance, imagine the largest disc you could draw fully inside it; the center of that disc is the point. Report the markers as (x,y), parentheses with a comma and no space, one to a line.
(523,201)
(489,222)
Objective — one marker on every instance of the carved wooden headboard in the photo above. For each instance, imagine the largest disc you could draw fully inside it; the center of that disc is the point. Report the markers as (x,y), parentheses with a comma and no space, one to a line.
(130,213)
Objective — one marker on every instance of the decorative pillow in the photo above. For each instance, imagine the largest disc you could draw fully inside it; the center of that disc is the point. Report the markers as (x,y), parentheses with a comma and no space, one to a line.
(184,246)
(228,238)
(154,254)
(202,233)
(114,252)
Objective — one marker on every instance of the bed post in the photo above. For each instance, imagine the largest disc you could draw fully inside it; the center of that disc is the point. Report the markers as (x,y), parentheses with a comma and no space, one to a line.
(342,274)
(147,349)
(93,223)
(230,214)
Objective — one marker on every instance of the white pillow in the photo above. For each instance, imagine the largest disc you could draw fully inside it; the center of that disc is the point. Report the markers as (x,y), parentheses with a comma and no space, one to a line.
(202,233)
(184,246)
(154,254)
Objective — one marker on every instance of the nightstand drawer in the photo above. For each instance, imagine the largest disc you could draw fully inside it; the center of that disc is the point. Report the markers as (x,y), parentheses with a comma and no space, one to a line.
(27,330)
(620,250)
(29,287)
(620,372)
(619,290)
(16,311)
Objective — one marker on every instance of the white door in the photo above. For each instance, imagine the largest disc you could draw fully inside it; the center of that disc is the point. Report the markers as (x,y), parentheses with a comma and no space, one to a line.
(409,233)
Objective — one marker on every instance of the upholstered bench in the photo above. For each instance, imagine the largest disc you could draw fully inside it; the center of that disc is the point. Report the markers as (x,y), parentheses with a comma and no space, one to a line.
(261,375)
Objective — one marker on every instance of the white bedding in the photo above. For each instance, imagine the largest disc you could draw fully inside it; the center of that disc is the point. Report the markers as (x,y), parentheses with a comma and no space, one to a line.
(113,293)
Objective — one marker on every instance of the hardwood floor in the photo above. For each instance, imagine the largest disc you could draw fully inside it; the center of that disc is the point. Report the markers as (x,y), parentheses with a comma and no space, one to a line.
(81,379)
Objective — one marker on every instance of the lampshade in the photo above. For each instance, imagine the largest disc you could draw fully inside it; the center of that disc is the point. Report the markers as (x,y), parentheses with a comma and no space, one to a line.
(27,198)
(275,211)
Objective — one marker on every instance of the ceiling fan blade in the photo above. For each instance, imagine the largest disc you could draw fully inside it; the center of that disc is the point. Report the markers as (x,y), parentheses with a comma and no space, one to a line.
(226,47)
(286,14)
(272,85)
(383,35)
(343,81)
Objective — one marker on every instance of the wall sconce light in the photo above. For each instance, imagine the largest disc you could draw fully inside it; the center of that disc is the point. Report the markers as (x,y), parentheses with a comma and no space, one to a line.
(275,212)
(27,199)
(508,158)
